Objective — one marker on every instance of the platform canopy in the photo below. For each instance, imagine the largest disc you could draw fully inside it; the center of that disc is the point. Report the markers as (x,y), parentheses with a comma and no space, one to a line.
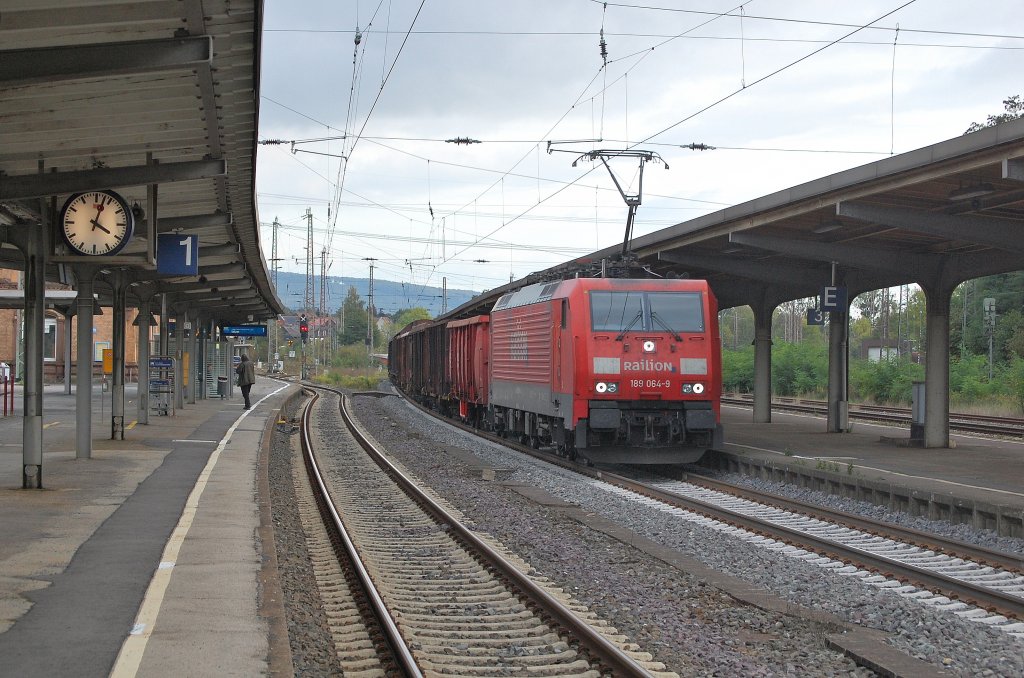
(935,216)
(157,100)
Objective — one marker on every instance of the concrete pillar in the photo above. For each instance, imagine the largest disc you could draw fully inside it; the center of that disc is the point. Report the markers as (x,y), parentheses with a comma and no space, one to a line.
(838,370)
(83,369)
(763,362)
(35,298)
(145,318)
(936,368)
(119,286)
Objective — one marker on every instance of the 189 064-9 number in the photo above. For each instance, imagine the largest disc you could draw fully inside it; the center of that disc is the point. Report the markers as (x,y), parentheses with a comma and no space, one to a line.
(650,383)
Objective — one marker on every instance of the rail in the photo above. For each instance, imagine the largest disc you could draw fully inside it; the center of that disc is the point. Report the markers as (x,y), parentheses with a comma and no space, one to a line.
(396,645)
(960,421)
(1009,605)
(600,649)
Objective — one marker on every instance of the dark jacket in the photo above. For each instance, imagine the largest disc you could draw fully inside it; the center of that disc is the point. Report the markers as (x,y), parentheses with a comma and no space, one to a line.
(246,373)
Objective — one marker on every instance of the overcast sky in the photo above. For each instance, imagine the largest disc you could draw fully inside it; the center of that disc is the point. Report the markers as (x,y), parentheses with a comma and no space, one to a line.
(517,75)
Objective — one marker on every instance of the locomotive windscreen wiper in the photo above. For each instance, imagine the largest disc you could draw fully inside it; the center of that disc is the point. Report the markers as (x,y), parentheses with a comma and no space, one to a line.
(639,314)
(657,318)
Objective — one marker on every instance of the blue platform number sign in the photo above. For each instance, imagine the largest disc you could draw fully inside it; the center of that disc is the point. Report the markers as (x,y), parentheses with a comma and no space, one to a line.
(177,254)
(833,299)
(815,317)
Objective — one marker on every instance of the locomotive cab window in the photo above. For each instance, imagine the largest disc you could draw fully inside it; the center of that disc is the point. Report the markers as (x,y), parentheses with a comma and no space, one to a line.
(680,311)
(646,311)
(615,311)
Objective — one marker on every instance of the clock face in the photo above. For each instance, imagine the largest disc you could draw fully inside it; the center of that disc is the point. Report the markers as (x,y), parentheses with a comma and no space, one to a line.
(97,223)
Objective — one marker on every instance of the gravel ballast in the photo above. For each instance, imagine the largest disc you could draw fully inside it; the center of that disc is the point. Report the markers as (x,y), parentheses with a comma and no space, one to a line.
(694,628)
(662,608)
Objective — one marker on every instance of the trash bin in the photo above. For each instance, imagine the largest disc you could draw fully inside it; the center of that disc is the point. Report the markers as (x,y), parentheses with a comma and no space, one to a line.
(222,386)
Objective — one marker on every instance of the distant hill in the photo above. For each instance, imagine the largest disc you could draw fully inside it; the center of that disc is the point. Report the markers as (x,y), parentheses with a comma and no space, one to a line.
(388,296)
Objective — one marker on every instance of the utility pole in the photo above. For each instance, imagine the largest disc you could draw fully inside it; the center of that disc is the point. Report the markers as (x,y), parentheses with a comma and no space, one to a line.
(322,312)
(369,309)
(309,303)
(272,334)
(444,294)
(989,307)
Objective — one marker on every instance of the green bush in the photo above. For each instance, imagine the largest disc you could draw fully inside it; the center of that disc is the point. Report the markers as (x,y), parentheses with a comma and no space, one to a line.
(353,356)
(354,382)
(799,369)
(886,381)
(738,370)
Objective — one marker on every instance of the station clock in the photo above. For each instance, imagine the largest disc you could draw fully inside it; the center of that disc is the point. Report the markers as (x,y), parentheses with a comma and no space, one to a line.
(97,223)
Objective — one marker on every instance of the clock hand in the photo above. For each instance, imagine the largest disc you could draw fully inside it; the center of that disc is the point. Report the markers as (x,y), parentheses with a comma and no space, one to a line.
(96,224)
(93,221)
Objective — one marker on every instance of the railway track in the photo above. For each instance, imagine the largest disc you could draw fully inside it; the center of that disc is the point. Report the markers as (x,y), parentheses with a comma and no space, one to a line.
(978,584)
(900,416)
(436,597)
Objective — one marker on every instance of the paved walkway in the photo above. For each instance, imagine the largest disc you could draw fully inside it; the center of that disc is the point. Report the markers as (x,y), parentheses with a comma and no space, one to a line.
(152,541)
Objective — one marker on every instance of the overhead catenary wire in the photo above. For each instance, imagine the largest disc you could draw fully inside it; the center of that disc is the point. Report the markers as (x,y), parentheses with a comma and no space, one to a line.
(376,99)
(540,199)
(774,73)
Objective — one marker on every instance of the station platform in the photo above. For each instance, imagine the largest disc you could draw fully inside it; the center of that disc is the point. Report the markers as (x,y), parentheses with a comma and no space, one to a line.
(978,480)
(144,560)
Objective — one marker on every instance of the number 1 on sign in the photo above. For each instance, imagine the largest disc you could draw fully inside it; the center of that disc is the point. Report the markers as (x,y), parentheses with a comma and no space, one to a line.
(187,242)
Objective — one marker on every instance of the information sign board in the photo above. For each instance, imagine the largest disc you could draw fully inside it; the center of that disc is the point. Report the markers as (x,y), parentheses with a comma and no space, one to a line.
(815,317)
(244,330)
(177,254)
(833,299)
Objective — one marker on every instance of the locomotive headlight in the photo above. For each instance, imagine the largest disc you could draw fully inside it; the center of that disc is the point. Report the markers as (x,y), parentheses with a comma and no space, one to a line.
(696,388)
(601,387)
(606,387)
(648,346)
(687,388)
(613,387)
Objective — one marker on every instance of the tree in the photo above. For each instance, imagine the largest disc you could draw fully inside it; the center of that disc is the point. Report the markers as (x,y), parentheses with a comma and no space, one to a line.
(352,319)
(1014,108)
(405,316)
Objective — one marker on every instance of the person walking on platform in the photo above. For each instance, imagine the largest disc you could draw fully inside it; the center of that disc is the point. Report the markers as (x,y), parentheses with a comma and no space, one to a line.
(246,377)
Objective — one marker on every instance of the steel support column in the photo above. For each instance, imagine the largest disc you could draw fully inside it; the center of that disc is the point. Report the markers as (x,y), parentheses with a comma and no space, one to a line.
(83,368)
(119,287)
(201,367)
(145,318)
(34,249)
(936,368)
(69,337)
(763,362)
(163,324)
(193,354)
(179,360)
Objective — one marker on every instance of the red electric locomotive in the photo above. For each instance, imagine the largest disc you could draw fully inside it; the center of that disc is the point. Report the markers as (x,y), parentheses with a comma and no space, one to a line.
(613,370)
